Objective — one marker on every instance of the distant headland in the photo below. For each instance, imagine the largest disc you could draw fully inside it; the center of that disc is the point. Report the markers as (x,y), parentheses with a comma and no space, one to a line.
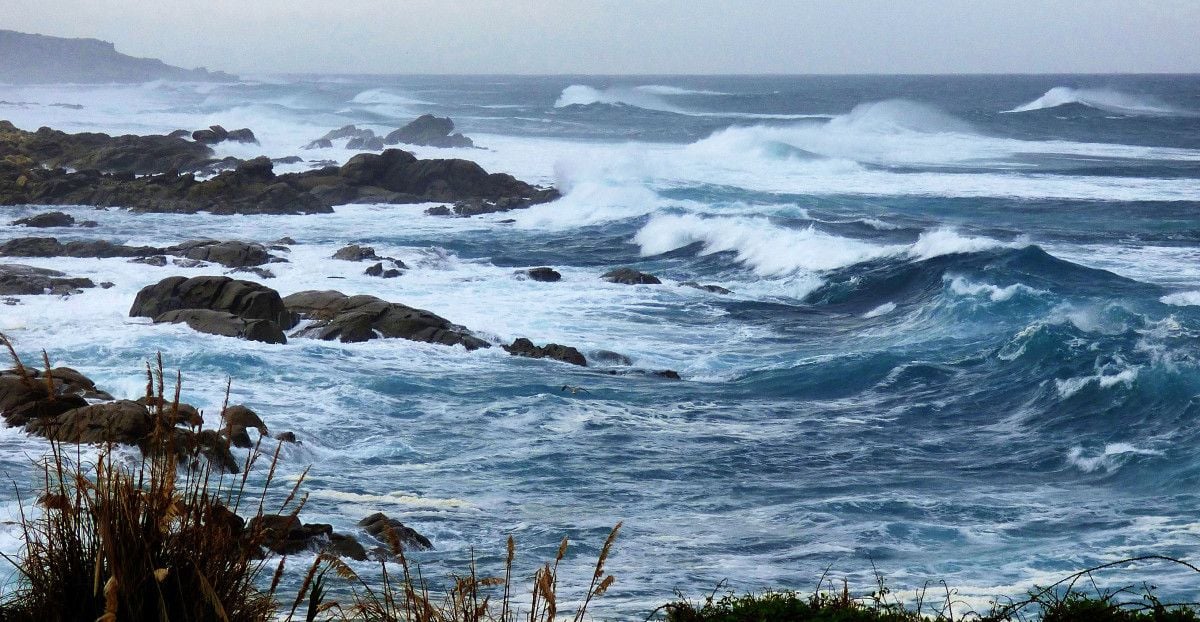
(41,59)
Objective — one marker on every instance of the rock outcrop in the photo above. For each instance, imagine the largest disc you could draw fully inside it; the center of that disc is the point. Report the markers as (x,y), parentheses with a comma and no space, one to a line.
(430,131)
(19,280)
(390,531)
(544,274)
(629,276)
(524,347)
(34,170)
(361,318)
(46,220)
(217,304)
(231,254)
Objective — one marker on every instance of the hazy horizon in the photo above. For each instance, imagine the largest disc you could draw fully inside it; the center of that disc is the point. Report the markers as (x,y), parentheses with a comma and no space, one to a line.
(654,37)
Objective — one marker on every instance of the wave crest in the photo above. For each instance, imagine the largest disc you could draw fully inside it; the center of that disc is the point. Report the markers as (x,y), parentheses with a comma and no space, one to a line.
(1107,100)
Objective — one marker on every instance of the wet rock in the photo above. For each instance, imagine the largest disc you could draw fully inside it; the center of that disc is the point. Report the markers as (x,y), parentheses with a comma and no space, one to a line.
(243,135)
(668,374)
(285,241)
(231,254)
(608,357)
(320,143)
(429,131)
(385,529)
(51,247)
(287,160)
(152,260)
(224,324)
(244,299)
(346,546)
(439,210)
(287,437)
(544,275)
(107,285)
(355,252)
(261,273)
(242,416)
(213,135)
(46,220)
(566,354)
(715,289)
(361,318)
(629,276)
(366,143)
(184,262)
(182,414)
(123,422)
(19,280)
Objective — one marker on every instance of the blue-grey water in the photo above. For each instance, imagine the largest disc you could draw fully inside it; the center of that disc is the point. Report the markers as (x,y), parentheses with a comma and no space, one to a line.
(962,340)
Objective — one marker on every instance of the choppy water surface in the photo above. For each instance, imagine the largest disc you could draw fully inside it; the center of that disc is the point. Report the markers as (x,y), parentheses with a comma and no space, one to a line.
(961,343)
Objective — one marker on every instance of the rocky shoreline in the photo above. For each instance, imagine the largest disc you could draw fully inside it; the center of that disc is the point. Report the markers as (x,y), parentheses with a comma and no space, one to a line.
(160,174)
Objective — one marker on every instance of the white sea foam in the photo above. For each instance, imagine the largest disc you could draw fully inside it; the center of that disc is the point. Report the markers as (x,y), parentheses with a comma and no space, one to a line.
(882,309)
(1071,386)
(1108,100)
(964,287)
(1109,459)
(1182,299)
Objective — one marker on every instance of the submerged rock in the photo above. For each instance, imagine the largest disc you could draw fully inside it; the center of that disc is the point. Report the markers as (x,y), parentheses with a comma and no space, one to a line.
(629,276)
(19,280)
(566,354)
(361,318)
(545,275)
(715,289)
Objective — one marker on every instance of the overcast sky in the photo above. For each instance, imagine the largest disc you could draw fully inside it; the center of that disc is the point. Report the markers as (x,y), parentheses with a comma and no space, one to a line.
(636,36)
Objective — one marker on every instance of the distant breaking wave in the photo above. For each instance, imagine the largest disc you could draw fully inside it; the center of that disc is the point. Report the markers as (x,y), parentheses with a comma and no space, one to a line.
(1107,100)
(652,97)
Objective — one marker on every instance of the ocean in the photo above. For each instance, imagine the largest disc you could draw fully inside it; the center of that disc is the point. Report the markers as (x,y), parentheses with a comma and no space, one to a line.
(962,341)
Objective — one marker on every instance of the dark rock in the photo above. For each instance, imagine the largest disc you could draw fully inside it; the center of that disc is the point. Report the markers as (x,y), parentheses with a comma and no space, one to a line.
(184,262)
(346,546)
(430,131)
(45,220)
(261,273)
(183,414)
(180,134)
(439,210)
(375,270)
(285,241)
(244,299)
(361,318)
(366,143)
(566,354)
(320,143)
(152,260)
(715,289)
(669,374)
(355,252)
(18,280)
(287,160)
(123,422)
(609,357)
(243,135)
(213,135)
(211,445)
(545,275)
(287,437)
(87,224)
(386,529)
(231,254)
(51,247)
(629,276)
(224,324)
(391,273)
(241,415)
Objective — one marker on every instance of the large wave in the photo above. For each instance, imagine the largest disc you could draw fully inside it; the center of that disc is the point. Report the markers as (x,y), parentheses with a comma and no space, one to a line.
(652,97)
(1107,100)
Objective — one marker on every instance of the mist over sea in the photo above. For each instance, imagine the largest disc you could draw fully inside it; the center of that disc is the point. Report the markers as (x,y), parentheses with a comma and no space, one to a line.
(962,340)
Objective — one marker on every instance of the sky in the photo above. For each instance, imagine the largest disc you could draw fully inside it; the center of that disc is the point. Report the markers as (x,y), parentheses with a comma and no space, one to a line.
(636,36)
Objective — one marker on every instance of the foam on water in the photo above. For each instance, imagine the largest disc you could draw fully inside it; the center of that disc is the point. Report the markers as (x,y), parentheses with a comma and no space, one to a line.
(1108,100)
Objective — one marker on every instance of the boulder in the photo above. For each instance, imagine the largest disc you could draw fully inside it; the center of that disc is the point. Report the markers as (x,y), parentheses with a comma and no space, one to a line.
(51,247)
(183,414)
(244,299)
(366,143)
(125,422)
(320,143)
(714,289)
(224,324)
(629,276)
(213,135)
(19,280)
(566,354)
(231,254)
(243,135)
(429,131)
(46,220)
(355,252)
(361,318)
(385,529)
(545,275)
(152,260)
(608,357)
